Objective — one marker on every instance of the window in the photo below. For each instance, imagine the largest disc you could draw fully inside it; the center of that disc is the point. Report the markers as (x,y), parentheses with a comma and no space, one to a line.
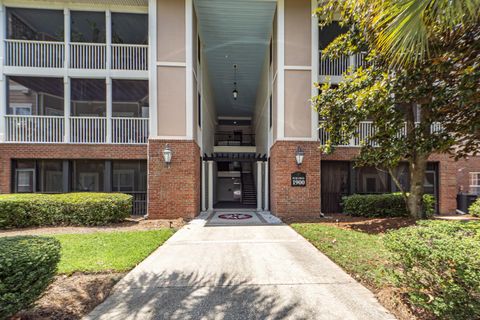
(129,28)
(88,97)
(31,24)
(129,176)
(130,98)
(88,26)
(35,96)
(24,180)
(50,176)
(88,175)
(475,182)
(199,111)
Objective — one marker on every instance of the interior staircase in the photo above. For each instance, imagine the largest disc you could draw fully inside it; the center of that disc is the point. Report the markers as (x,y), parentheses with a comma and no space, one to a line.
(249,193)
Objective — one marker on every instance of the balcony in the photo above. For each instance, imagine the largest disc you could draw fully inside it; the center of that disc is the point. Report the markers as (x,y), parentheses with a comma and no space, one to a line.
(81,130)
(49,54)
(234,142)
(367,129)
(333,69)
(92,40)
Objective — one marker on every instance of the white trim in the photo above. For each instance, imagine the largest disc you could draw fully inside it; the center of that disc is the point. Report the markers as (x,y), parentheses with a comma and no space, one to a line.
(3,82)
(59,5)
(210,185)
(152,62)
(297,139)
(19,105)
(301,68)
(171,138)
(171,64)
(108,39)
(259,185)
(66,111)
(265,173)
(234,118)
(281,69)
(203,191)
(109,101)
(76,73)
(189,69)
(314,69)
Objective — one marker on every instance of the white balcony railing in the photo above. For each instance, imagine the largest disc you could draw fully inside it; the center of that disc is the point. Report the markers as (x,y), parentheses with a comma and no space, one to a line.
(130,130)
(88,55)
(46,129)
(129,57)
(367,129)
(337,67)
(35,54)
(88,130)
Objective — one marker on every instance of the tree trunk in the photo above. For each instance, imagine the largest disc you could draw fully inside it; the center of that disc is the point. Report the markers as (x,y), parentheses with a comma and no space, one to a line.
(418,167)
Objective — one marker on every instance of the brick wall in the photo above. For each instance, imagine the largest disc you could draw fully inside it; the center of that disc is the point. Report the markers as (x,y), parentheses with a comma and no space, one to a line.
(175,191)
(288,201)
(464,167)
(447,175)
(9,151)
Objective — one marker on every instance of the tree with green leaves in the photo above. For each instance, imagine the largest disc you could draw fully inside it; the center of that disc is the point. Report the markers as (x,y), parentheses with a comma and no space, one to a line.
(432,106)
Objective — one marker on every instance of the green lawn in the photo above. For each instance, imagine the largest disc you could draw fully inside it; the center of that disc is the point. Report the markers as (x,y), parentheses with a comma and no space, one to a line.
(360,254)
(107,251)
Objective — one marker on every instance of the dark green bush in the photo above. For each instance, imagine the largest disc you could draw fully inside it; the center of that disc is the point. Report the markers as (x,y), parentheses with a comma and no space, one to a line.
(437,264)
(382,205)
(27,266)
(474,208)
(87,209)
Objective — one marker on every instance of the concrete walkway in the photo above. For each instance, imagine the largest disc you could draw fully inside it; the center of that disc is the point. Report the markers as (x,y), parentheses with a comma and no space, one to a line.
(239,271)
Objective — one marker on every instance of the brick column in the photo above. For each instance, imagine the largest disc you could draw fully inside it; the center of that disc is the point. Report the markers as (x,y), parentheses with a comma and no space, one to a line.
(173,192)
(288,201)
(447,183)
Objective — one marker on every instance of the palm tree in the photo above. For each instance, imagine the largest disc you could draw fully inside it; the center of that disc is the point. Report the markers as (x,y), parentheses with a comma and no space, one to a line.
(407,29)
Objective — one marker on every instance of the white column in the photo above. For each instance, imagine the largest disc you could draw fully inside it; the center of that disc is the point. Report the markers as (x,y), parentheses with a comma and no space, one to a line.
(3,84)
(259,185)
(189,68)
(66,109)
(210,185)
(66,38)
(108,38)
(203,189)
(280,70)
(265,204)
(152,66)
(108,81)
(315,68)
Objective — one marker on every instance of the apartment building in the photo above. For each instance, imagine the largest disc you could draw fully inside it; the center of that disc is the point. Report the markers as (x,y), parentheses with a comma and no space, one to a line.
(188,105)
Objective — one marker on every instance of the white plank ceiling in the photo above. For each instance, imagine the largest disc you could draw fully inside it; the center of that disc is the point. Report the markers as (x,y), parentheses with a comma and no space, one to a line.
(235,32)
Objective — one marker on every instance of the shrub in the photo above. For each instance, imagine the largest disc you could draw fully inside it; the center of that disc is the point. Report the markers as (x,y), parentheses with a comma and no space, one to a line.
(88,209)
(382,205)
(27,266)
(474,208)
(437,264)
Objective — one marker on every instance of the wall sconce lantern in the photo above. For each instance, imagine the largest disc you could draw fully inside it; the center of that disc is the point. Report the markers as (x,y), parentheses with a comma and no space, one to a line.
(299,154)
(167,155)
(235,91)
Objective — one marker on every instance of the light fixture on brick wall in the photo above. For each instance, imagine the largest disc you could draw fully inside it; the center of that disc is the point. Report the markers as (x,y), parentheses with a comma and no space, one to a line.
(167,155)
(299,154)
(235,91)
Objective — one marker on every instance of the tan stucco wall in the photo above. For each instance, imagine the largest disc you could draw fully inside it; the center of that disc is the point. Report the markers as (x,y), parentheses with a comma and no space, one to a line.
(298,83)
(171,30)
(297,104)
(171,101)
(298,32)
(260,111)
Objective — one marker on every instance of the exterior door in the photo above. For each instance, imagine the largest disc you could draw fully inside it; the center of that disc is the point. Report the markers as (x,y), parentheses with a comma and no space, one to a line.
(335,184)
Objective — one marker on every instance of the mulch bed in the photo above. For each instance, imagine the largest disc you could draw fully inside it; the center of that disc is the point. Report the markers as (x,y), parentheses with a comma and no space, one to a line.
(368,225)
(129,225)
(71,297)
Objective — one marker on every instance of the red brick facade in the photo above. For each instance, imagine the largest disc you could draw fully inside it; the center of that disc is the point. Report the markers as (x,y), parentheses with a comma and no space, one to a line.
(288,201)
(9,151)
(175,191)
(464,168)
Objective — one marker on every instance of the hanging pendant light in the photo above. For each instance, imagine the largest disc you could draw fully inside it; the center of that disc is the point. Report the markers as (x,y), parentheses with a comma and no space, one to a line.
(235,91)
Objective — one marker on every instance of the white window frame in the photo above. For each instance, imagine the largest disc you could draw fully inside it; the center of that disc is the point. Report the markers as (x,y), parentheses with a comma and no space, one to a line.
(14,106)
(474,176)
(32,171)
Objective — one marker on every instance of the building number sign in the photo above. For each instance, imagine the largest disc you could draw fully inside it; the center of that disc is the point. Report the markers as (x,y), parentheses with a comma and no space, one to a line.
(299,179)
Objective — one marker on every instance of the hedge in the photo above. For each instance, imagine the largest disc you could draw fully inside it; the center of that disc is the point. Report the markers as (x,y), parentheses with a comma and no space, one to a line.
(474,208)
(382,205)
(27,266)
(85,209)
(437,265)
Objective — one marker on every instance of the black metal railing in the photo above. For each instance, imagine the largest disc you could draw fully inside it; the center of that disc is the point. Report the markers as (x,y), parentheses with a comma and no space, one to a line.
(234,139)
(139,202)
